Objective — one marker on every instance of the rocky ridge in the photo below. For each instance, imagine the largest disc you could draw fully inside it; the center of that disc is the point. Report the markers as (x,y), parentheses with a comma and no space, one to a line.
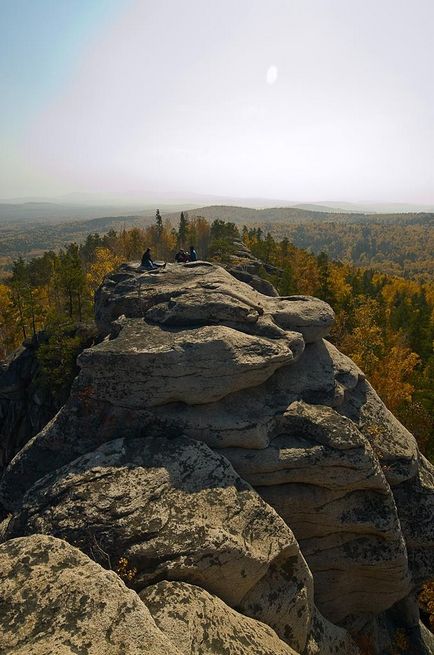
(235,469)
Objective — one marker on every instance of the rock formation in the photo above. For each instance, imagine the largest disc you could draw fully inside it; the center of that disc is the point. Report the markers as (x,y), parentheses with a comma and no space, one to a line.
(235,469)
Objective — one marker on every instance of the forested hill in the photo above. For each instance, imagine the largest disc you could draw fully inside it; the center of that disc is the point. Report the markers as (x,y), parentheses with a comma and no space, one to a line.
(396,243)
(285,215)
(400,244)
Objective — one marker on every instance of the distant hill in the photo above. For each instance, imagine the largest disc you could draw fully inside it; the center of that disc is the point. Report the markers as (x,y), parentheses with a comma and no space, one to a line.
(399,243)
(294,215)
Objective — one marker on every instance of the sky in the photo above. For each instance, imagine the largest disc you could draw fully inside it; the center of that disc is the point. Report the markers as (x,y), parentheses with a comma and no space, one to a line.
(299,100)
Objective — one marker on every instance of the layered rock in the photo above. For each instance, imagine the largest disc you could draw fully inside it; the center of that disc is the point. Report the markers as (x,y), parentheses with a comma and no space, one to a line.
(193,355)
(174,510)
(322,477)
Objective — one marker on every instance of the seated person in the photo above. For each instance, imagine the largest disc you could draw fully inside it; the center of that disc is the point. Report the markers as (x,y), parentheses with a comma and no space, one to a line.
(148,263)
(181,256)
(192,256)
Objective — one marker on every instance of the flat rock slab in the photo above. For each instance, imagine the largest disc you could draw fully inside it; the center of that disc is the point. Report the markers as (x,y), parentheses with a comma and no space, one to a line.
(55,601)
(147,366)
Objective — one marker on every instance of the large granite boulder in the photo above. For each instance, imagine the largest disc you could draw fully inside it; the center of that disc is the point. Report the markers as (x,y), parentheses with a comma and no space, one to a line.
(216,297)
(55,600)
(174,510)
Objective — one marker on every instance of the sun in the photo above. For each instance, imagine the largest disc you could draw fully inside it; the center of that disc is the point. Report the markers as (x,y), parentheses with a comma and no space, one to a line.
(271,76)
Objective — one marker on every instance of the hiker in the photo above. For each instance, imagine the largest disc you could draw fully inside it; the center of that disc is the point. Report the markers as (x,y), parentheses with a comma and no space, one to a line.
(192,254)
(181,256)
(148,263)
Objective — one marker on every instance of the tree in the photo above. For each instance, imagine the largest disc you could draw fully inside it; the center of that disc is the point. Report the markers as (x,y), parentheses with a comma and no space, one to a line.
(104,262)
(159,231)
(22,296)
(8,332)
(72,280)
(325,289)
(183,230)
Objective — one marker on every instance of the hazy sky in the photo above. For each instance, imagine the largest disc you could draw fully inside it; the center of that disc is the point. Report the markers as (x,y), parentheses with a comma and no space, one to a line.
(292,99)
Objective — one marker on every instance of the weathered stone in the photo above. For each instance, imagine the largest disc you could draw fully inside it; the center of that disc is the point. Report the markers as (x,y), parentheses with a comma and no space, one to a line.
(310,316)
(133,293)
(146,366)
(55,600)
(200,623)
(393,444)
(254,281)
(322,477)
(415,502)
(176,511)
(204,355)
(251,418)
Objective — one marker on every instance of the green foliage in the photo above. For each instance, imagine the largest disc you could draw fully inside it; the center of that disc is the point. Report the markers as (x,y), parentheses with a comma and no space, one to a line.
(57,356)
(221,240)
(182,231)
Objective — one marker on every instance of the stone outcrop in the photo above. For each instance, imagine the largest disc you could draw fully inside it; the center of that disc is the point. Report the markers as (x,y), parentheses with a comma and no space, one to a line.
(54,599)
(200,623)
(233,458)
(177,511)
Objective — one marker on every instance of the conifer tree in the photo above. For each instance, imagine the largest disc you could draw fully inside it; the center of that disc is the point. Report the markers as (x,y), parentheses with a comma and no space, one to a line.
(182,230)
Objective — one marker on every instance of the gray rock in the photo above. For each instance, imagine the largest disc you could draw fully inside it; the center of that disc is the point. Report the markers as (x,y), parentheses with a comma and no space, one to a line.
(202,354)
(174,510)
(146,366)
(55,600)
(254,281)
(310,316)
(201,624)
(322,477)
(248,418)
(133,293)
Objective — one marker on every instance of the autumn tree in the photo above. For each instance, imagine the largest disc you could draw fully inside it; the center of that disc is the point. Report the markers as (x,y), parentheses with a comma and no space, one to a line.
(104,261)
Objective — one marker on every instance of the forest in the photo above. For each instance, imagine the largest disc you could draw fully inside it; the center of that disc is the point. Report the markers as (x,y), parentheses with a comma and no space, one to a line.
(384,321)
(400,244)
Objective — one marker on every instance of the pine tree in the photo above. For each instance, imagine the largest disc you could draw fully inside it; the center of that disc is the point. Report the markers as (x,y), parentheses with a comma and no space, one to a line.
(159,231)
(182,230)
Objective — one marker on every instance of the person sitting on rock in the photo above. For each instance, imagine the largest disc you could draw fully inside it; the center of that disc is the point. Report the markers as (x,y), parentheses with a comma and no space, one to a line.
(147,262)
(192,254)
(181,256)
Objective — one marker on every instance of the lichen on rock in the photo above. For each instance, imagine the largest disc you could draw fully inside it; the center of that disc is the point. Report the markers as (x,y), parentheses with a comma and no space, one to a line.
(222,456)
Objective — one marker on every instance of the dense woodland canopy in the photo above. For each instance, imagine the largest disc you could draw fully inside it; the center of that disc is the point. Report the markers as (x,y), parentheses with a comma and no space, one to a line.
(400,244)
(384,322)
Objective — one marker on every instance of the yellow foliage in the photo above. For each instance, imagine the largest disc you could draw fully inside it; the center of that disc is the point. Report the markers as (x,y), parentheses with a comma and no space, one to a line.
(105,262)
(125,571)
(392,374)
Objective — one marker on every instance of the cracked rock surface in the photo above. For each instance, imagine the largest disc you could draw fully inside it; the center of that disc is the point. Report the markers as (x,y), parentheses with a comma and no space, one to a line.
(56,600)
